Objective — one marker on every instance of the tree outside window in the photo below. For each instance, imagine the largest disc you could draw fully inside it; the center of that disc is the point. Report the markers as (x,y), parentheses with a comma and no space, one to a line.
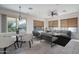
(13,23)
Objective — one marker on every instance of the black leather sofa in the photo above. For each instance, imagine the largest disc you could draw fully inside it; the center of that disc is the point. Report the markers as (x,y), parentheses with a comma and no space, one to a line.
(36,34)
(48,38)
(63,32)
(63,38)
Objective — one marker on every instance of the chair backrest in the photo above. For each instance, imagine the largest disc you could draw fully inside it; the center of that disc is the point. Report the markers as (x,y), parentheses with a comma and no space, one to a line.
(22,33)
(35,33)
(27,37)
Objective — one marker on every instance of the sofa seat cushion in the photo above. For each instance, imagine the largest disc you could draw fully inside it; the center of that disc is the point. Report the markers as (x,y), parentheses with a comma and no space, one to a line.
(62,40)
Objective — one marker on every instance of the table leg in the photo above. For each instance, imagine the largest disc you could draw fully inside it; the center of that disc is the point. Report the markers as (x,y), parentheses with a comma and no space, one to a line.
(4,50)
(32,41)
(29,44)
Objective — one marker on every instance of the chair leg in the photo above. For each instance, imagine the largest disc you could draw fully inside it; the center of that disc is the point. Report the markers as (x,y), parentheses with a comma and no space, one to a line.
(15,45)
(4,50)
(29,44)
(32,41)
(21,44)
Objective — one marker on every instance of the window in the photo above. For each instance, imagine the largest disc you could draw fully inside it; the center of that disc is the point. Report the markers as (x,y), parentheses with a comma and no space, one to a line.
(38,25)
(12,23)
(70,24)
(53,25)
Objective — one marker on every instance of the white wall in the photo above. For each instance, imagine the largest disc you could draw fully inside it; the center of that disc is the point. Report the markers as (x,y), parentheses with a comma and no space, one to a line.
(29,25)
(0,23)
(45,24)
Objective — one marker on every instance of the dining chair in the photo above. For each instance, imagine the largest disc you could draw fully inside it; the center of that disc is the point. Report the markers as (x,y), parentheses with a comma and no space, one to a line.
(27,38)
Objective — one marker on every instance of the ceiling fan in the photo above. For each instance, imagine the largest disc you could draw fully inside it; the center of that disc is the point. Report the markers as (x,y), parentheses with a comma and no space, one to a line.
(53,13)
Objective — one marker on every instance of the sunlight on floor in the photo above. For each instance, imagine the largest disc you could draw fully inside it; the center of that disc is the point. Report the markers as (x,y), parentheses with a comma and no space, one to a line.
(75,40)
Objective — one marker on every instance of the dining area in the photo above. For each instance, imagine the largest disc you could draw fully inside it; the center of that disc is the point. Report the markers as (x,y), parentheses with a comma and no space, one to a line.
(12,38)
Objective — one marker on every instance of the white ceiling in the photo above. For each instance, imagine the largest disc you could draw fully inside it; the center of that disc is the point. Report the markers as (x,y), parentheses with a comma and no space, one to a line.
(42,10)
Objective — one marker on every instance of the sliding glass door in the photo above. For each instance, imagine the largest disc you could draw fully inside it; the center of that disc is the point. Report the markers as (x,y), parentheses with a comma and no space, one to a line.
(11,24)
(14,23)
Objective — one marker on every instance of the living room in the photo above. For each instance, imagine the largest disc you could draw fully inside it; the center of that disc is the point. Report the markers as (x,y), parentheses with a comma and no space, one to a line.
(18,20)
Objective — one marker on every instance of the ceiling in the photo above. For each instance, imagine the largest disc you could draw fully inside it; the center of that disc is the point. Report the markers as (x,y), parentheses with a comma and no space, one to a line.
(43,10)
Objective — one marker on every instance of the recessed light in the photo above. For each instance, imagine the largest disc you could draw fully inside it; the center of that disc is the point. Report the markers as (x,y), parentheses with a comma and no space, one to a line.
(57,4)
(30,8)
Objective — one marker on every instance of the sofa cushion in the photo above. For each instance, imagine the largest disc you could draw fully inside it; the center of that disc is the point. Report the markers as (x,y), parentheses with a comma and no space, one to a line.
(62,40)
